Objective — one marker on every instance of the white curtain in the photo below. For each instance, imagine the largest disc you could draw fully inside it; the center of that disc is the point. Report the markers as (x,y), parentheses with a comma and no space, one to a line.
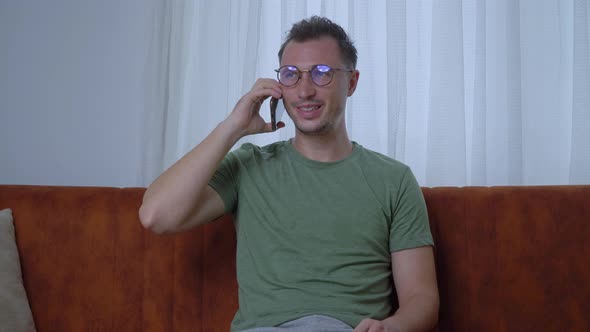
(470,92)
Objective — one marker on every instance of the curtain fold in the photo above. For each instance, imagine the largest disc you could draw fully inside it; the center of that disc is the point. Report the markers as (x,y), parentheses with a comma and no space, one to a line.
(478,145)
(446,151)
(580,146)
(397,99)
(513,95)
(156,75)
(468,92)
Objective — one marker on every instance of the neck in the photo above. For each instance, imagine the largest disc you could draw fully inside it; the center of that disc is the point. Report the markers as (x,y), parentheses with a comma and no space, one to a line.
(324,148)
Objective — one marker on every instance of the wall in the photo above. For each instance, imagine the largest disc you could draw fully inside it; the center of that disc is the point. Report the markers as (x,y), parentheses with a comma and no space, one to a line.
(71,91)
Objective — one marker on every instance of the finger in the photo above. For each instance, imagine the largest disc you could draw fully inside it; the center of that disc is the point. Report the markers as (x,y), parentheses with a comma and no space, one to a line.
(280,125)
(264,92)
(267,87)
(277,91)
(258,97)
(376,328)
(363,326)
(268,128)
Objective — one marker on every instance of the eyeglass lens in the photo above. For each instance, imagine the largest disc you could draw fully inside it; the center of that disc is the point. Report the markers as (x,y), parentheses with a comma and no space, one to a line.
(320,74)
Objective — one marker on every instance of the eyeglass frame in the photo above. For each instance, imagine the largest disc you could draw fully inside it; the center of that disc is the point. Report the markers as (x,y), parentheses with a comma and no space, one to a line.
(300,74)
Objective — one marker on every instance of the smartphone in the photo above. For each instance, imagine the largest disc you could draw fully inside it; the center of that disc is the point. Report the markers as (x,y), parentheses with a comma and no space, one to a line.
(276,112)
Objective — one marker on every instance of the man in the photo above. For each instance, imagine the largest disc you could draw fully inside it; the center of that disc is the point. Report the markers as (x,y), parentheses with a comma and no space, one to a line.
(325,227)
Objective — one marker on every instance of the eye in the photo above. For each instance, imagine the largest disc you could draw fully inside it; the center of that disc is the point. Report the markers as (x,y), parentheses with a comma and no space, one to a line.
(322,70)
(321,74)
(289,72)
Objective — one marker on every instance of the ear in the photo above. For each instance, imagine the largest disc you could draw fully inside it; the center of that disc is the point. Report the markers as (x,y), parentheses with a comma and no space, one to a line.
(354,78)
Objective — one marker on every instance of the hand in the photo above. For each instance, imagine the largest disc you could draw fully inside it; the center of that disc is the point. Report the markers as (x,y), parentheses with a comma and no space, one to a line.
(372,325)
(245,117)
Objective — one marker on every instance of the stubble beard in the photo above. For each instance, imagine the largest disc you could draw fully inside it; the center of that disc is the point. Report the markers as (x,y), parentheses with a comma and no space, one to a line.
(323,127)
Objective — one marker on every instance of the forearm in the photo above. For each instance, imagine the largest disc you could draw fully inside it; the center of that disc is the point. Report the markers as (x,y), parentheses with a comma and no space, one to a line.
(179,198)
(182,185)
(419,313)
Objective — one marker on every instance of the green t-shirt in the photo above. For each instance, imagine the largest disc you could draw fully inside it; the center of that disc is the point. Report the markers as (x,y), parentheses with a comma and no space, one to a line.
(316,237)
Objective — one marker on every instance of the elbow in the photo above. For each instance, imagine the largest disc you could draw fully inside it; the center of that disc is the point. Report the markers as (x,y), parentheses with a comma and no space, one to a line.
(149,220)
(433,317)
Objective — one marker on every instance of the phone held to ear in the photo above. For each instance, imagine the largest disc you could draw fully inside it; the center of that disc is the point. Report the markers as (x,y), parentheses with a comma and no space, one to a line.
(276,112)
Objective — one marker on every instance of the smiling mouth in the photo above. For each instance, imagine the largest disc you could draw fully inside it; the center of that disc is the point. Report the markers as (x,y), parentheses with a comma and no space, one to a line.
(308,108)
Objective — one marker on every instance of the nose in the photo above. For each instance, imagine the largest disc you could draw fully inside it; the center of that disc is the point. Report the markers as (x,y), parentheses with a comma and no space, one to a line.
(305,88)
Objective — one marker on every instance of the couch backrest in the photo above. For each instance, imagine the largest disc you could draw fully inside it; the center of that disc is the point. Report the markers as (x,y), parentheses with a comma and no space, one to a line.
(88,264)
(508,259)
(512,258)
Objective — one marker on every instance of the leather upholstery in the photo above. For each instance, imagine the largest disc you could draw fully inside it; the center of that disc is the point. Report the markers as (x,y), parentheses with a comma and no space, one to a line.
(508,259)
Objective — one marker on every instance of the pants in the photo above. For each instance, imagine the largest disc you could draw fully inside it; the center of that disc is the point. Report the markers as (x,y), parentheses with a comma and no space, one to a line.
(312,323)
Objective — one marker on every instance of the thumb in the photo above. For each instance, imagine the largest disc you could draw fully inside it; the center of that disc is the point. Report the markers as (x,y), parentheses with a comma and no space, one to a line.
(268,126)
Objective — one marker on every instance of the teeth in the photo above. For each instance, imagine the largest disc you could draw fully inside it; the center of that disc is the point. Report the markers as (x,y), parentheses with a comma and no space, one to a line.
(309,109)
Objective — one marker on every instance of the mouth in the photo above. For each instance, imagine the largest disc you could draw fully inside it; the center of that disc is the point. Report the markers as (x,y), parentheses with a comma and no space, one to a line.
(308,110)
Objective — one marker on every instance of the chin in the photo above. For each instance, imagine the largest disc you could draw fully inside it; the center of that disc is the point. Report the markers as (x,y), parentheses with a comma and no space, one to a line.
(317,130)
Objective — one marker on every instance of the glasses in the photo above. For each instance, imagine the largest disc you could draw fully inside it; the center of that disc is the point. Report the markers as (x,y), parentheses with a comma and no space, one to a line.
(321,75)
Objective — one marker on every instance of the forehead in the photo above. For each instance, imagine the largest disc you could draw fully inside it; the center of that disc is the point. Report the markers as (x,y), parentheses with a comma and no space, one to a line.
(324,50)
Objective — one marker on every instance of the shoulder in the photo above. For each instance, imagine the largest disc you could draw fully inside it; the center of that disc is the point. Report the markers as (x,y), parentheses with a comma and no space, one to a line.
(253,149)
(380,163)
(382,171)
(248,151)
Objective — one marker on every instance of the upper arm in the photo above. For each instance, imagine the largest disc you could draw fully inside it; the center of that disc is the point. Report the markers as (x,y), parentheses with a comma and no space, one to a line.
(414,273)
(210,208)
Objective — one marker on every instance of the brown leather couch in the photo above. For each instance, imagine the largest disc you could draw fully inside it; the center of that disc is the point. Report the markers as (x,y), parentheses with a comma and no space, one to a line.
(508,259)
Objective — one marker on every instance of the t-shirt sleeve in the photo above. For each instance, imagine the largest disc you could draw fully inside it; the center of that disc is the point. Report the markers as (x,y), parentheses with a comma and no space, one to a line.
(225,181)
(409,227)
